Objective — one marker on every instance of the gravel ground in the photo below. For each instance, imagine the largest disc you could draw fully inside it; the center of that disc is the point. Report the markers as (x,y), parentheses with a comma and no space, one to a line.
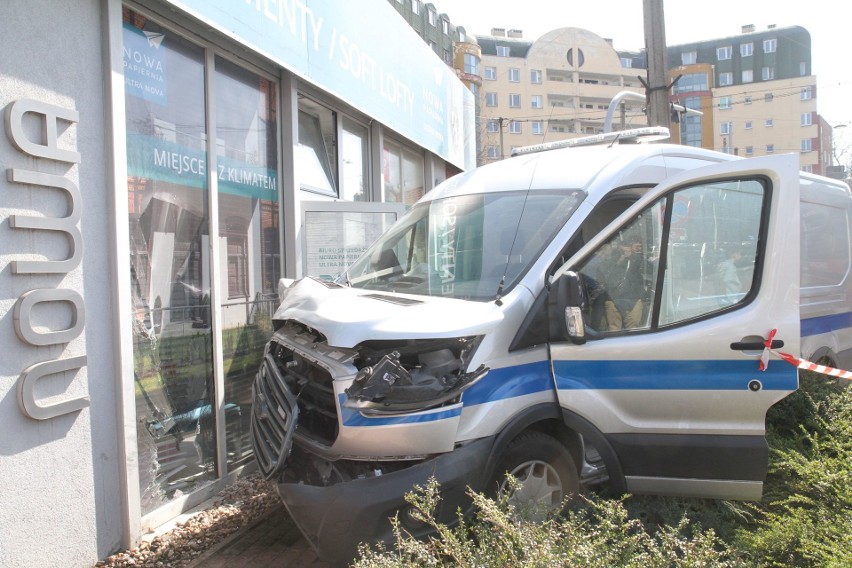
(238,505)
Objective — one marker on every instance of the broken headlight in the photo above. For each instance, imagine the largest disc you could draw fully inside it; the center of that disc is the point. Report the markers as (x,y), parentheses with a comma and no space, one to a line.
(413,376)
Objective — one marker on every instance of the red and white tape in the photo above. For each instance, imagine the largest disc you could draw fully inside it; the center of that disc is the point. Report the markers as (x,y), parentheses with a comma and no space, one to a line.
(800,363)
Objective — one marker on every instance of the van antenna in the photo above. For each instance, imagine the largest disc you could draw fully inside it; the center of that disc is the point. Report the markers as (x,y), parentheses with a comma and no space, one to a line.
(499,294)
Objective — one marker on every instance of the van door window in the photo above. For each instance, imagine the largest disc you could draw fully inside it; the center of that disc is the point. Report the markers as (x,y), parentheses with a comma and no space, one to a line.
(708,258)
(620,276)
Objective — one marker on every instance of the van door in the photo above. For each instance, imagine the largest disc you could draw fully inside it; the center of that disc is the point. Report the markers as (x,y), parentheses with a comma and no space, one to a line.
(680,292)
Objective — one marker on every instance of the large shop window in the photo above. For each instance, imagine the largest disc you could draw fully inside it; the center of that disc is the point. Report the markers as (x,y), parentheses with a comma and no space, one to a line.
(402,174)
(169,196)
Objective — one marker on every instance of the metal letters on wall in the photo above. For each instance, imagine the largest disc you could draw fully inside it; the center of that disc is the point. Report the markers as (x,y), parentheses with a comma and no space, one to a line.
(49,116)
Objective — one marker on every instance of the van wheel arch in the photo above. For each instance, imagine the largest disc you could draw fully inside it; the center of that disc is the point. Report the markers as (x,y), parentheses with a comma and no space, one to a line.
(824,356)
(544,418)
(598,439)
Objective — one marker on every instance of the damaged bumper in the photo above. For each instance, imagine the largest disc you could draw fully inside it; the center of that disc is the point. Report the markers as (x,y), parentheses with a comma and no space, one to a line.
(336,518)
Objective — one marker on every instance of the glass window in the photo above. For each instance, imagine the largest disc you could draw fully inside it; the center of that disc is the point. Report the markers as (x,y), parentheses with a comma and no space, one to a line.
(637,280)
(725,102)
(502,51)
(471,64)
(747,100)
(725,128)
(355,167)
(723,53)
(748,76)
(493,152)
(626,62)
(433,19)
(403,174)
(767,73)
(415,6)
(490,73)
(247,161)
(536,126)
(170,266)
(691,82)
(711,257)
(515,101)
(746,49)
(492,125)
(749,150)
(535,76)
(445,27)
(688,57)
(806,145)
(768,97)
(770,148)
(514,75)
(807,119)
(769,122)
(770,45)
(316,151)
(535,101)
(748,125)
(491,99)
(806,93)
(825,245)
(726,78)
(515,126)
(471,247)
(803,68)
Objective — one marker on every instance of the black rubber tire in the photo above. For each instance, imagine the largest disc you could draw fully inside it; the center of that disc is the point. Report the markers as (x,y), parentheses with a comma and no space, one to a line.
(543,467)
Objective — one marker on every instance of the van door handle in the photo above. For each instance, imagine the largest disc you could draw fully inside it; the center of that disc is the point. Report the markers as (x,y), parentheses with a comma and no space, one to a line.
(755,345)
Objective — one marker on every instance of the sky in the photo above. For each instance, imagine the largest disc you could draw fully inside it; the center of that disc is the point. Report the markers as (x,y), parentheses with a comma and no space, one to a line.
(622,21)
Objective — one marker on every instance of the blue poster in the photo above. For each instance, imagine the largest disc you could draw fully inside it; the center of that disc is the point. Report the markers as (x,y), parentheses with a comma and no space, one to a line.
(145,65)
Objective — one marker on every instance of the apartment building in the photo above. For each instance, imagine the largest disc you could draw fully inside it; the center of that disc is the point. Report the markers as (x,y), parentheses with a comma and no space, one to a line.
(757,94)
(558,86)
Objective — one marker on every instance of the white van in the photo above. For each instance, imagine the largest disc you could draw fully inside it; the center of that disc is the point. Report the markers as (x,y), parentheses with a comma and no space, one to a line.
(586,314)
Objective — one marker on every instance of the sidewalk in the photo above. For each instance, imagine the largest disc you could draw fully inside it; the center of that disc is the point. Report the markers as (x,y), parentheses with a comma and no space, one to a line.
(272,541)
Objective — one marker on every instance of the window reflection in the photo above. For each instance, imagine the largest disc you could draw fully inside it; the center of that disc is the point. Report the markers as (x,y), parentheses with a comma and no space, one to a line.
(168,223)
(317,149)
(248,238)
(402,174)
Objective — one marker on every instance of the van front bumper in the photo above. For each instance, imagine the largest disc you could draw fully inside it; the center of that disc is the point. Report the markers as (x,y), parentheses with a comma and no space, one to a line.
(336,518)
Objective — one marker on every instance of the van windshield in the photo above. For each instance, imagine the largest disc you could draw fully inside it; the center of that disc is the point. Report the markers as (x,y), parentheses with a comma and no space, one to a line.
(473,247)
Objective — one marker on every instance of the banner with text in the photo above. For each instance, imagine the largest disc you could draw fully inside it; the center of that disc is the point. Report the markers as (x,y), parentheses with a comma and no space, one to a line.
(353,50)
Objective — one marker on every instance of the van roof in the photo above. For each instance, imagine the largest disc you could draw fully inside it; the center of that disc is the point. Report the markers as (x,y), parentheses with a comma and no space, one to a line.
(571,168)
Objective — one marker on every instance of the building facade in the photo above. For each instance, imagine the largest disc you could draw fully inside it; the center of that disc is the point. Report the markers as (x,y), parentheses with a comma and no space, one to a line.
(756,91)
(167,161)
(558,86)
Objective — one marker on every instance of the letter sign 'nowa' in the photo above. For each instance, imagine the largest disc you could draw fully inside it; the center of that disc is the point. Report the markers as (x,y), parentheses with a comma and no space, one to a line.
(49,117)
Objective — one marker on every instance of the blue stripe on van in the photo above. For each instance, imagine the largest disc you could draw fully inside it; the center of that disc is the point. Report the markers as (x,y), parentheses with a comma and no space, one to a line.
(352,417)
(510,382)
(825,324)
(673,375)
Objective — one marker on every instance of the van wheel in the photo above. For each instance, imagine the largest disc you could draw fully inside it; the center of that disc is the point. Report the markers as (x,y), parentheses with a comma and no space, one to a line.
(545,474)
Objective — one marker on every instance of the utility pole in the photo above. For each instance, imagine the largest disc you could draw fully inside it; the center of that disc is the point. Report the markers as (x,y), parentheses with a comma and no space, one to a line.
(657,89)
(502,151)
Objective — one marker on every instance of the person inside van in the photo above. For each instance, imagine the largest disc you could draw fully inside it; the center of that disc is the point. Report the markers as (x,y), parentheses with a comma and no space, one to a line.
(616,285)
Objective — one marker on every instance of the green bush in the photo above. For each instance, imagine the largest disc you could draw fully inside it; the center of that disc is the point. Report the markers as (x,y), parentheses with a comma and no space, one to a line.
(593,533)
(806,515)
(805,518)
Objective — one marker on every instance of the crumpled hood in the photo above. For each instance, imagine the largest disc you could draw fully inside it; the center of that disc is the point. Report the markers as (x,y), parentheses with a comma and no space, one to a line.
(349,316)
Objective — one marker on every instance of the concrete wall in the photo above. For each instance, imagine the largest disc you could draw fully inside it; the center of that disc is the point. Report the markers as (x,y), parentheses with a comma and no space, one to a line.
(60,496)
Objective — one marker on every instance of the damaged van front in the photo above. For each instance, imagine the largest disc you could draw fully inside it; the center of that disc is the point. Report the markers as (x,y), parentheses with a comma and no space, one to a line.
(360,393)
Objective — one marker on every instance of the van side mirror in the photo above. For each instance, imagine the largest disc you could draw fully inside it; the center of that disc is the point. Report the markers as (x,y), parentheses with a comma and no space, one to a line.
(565,308)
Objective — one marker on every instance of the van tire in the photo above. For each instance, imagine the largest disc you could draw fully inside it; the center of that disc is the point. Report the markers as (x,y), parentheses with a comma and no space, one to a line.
(544,469)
